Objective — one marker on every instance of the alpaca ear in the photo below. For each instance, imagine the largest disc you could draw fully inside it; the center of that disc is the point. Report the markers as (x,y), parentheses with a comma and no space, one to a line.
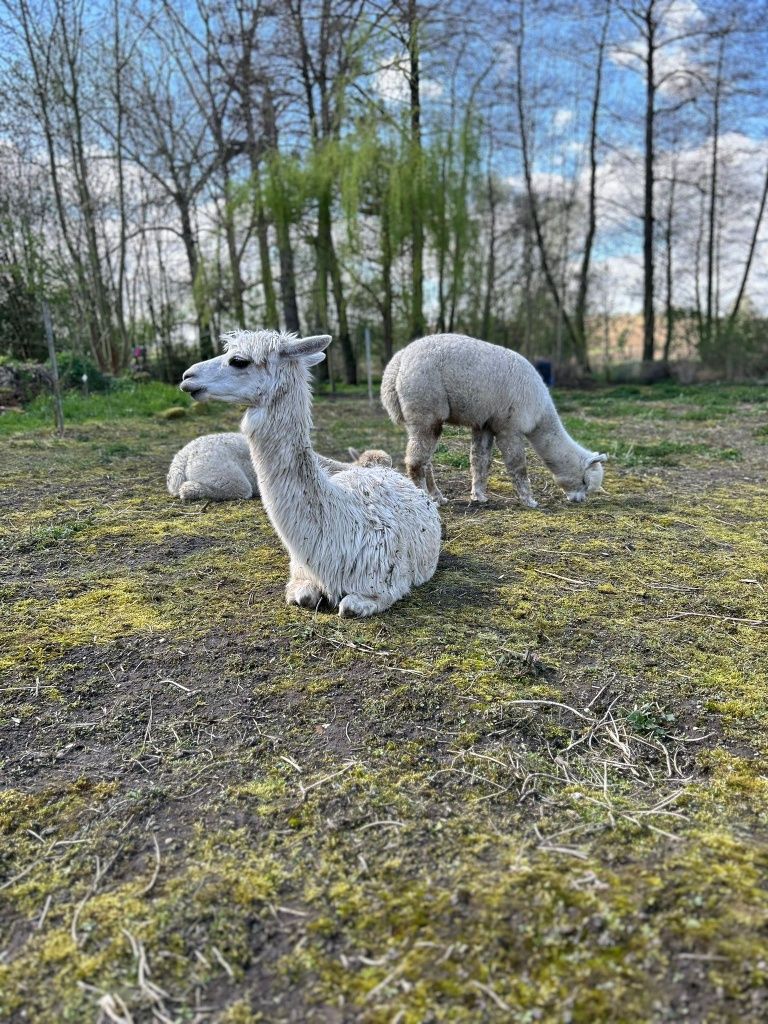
(597,458)
(354,454)
(308,349)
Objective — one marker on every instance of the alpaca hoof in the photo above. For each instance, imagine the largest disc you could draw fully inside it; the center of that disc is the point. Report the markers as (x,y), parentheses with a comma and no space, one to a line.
(438,498)
(529,502)
(304,595)
(479,497)
(190,491)
(353,606)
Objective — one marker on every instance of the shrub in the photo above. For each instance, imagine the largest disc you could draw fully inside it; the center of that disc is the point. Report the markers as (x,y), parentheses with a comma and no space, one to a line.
(72,366)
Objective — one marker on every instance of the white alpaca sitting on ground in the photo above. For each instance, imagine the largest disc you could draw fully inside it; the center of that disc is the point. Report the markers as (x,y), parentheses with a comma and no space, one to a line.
(450,378)
(217,467)
(361,538)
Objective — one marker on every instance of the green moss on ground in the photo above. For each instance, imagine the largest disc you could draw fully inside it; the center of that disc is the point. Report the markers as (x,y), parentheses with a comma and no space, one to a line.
(522,793)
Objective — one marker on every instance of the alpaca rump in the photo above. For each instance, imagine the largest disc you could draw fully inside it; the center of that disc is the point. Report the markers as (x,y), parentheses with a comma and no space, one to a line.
(361,538)
(450,378)
(217,467)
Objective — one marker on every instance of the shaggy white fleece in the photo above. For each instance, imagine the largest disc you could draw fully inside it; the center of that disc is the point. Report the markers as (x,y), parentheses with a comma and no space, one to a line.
(361,538)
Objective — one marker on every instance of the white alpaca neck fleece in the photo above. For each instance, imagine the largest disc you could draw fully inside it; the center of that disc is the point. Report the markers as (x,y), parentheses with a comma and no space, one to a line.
(297,494)
(555,446)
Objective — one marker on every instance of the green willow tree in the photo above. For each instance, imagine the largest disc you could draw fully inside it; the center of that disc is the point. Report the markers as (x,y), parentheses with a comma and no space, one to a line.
(452,178)
(374,175)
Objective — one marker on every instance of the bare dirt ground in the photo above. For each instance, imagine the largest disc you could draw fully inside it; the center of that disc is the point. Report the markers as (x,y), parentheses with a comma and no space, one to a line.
(535,791)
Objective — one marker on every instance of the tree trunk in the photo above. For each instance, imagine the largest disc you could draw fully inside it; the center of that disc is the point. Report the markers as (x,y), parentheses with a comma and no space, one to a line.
(533,207)
(205,341)
(328,265)
(234,258)
(282,232)
(750,255)
(386,277)
(649,323)
(582,354)
(272,319)
(123,245)
(490,272)
(712,210)
(670,313)
(417,326)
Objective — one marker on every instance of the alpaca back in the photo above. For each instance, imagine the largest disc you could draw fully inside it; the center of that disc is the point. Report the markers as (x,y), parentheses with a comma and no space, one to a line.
(392,530)
(456,379)
(211,460)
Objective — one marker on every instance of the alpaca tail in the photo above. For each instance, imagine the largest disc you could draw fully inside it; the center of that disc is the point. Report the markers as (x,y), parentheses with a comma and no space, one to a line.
(176,474)
(389,396)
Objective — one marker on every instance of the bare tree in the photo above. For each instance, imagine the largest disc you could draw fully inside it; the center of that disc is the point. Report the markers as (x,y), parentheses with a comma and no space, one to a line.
(166,137)
(57,99)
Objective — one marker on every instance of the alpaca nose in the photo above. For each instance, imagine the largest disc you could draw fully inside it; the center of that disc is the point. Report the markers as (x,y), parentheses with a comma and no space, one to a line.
(187,374)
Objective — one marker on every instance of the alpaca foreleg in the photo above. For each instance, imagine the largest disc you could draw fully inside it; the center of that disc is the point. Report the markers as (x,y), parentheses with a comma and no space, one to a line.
(301,590)
(418,461)
(237,486)
(191,490)
(434,491)
(358,606)
(512,447)
(480,456)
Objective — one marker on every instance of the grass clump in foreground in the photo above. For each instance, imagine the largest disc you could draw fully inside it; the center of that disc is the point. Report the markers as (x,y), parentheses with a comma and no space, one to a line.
(535,790)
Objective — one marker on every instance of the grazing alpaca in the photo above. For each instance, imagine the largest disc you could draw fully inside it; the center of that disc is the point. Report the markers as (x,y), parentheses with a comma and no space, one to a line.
(217,467)
(450,378)
(361,538)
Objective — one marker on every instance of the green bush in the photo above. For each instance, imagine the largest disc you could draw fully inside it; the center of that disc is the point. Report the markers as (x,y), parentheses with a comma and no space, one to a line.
(72,366)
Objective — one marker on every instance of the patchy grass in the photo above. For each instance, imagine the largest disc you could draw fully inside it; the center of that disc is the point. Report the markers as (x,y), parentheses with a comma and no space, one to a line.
(126,400)
(520,794)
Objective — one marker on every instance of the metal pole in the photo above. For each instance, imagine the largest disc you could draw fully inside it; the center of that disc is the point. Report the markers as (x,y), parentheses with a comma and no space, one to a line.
(368,363)
(54,368)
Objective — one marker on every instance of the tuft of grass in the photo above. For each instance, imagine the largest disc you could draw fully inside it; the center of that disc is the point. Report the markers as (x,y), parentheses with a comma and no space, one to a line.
(38,538)
(651,719)
(446,456)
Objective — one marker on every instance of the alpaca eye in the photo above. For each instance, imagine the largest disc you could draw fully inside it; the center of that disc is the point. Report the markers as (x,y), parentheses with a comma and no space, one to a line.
(239,362)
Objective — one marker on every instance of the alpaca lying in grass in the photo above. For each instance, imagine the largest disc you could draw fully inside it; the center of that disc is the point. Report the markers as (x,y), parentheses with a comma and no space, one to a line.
(450,378)
(360,538)
(217,467)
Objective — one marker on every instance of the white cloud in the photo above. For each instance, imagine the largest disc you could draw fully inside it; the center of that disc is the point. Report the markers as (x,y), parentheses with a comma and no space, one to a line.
(562,118)
(681,16)
(391,82)
(741,173)
(618,253)
(618,284)
(681,70)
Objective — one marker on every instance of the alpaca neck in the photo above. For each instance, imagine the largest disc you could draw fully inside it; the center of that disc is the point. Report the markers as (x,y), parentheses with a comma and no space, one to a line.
(555,446)
(297,495)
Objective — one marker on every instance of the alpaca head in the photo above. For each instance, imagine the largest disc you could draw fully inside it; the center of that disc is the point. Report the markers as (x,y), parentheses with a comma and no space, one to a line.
(255,368)
(370,457)
(586,480)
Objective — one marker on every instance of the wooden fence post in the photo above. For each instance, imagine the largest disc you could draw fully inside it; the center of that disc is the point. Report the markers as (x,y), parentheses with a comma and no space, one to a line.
(54,369)
(368,363)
